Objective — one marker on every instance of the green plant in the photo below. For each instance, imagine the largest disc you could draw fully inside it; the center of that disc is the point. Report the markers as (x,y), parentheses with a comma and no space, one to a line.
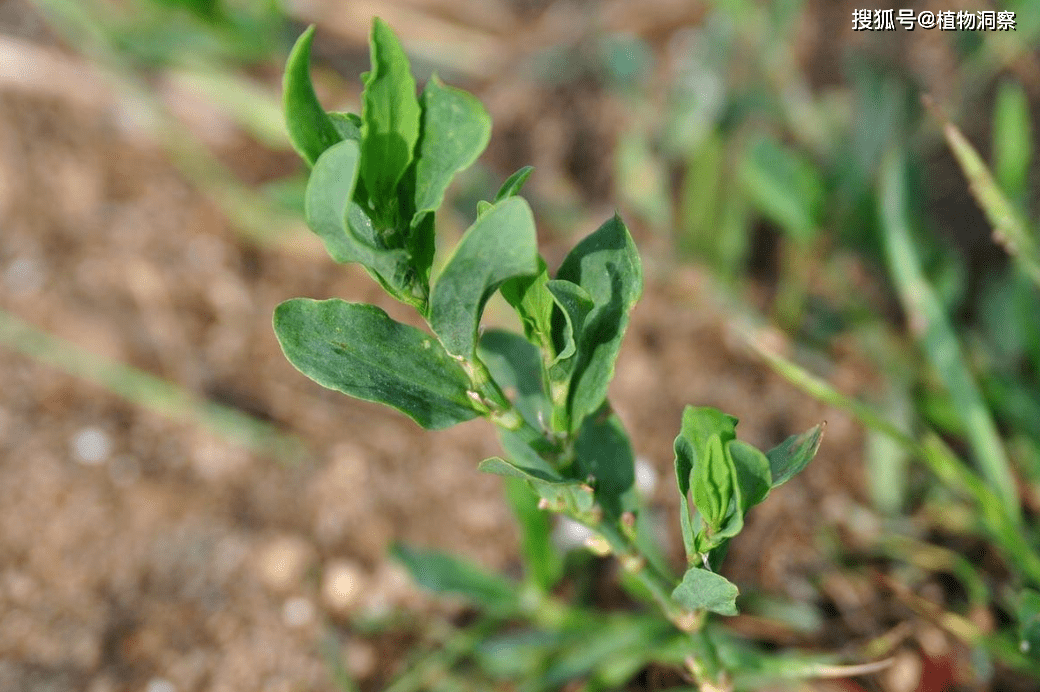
(376,182)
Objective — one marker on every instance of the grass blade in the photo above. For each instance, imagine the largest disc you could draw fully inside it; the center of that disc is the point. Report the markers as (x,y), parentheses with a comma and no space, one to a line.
(1005,530)
(937,337)
(1009,229)
(148,391)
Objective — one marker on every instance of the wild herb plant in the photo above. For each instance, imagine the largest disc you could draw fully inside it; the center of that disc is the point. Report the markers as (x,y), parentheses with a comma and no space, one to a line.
(376,182)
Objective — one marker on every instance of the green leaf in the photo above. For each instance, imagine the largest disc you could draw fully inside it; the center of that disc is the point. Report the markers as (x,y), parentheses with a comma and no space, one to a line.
(542,473)
(575,304)
(348,125)
(443,573)
(530,298)
(605,264)
(310,128)
(704,590)
(698,426)
(603,451)
(543,564)
(794,454)
(562,494)
(514,183)
(754,476)
(390,117)
(784,186)
(515,365)
(1012,140)
(357,349)
(1009,228)
(343,226)
(713,483)
(1029,623)
(609,651)
(937,335)
(455,130)
(501,244)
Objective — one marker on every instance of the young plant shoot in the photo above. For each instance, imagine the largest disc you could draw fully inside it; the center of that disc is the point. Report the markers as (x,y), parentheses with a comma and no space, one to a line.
(377,179)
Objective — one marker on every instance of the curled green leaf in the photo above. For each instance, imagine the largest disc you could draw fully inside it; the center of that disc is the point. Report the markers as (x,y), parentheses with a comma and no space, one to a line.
(455,130)
(514,183)
(794,454)
(390,118)
(501,244)
(310,128)
(606,265)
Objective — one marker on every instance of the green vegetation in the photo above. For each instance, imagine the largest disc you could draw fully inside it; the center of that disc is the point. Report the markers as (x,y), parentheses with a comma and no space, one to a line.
(376,181)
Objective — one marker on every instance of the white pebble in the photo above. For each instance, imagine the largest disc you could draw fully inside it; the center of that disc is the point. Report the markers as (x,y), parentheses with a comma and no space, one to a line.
(24,276)
(646,477)
(569,534)
(342,585)
(160,685)
(283,562)
(298,612)
(91,446)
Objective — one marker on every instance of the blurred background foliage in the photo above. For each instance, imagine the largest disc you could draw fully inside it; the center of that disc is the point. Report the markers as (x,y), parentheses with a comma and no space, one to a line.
(790,158)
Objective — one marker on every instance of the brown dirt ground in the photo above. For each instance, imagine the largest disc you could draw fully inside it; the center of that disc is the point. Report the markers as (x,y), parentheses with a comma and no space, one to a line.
(134,549)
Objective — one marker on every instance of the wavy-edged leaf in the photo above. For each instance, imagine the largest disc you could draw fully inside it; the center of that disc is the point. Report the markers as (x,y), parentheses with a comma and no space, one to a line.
(704,590)
(455,130)
(310,128)
(605,264)
(343,226)
(357,349)
(575,304)
(794,454)
(501,244)
(390,118)
(443,573)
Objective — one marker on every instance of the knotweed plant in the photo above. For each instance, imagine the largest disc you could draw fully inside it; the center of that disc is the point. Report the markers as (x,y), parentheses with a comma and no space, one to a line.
(376,182)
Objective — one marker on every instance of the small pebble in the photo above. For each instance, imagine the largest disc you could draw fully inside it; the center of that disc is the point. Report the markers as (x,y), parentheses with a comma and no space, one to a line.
(283,562)
(91,446)
(298,612)
(342,585)
(646,477)
(569,534)
(905,673)
(24,276)
(160,685)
